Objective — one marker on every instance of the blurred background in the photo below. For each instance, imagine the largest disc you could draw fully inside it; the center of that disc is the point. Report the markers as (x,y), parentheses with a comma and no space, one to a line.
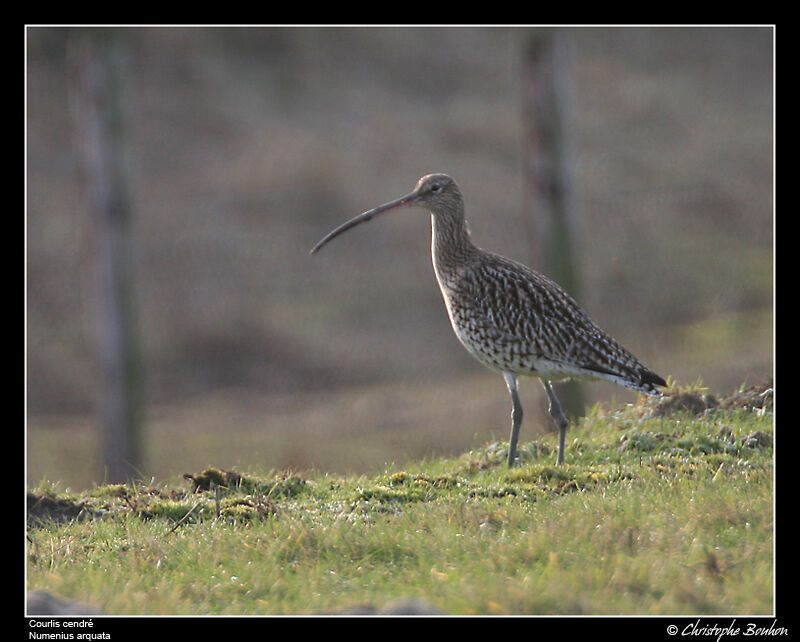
(244,146)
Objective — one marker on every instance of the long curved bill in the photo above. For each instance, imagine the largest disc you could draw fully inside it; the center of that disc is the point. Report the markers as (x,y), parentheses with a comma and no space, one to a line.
(406,201)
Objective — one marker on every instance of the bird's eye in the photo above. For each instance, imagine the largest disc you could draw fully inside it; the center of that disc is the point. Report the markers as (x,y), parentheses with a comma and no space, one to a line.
(435,187)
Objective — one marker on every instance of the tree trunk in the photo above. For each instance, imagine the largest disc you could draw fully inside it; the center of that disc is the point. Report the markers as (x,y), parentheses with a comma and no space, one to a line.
(96,91)
(549,167)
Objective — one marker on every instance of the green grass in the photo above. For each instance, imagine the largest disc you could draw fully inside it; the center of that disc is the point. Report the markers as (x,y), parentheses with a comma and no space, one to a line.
(662,508)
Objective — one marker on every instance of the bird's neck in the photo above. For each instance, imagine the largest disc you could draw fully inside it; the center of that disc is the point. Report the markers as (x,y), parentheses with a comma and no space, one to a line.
(451,247)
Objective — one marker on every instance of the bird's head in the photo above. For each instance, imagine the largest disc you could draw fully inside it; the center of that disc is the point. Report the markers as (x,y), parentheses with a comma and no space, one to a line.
(437,193)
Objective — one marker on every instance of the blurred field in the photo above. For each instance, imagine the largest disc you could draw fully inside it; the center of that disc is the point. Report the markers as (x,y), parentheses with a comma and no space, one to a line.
(248,145)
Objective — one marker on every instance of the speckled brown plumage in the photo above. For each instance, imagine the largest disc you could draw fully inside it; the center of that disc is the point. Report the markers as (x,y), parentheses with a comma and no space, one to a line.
(509,317)
(512,318)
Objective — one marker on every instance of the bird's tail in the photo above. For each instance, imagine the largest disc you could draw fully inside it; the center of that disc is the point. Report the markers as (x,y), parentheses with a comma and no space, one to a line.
(640,379)
(648,382)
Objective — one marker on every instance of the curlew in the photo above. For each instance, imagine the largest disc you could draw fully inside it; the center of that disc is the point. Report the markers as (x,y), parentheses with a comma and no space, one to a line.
(509,317)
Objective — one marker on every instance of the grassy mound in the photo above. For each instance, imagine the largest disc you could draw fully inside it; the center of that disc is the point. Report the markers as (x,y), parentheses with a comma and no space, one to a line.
(664,507)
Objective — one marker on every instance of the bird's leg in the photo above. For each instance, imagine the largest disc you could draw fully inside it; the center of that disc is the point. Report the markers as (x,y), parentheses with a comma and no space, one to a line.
(516,416)
(558,416)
